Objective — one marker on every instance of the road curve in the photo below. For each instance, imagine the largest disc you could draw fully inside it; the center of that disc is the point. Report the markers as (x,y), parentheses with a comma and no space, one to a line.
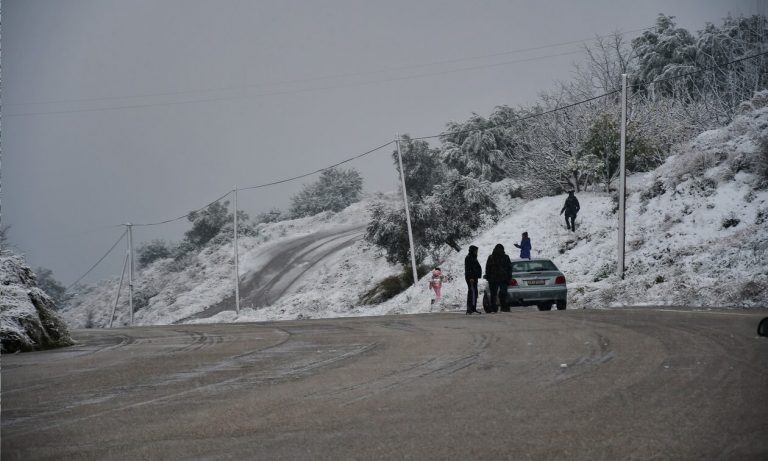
(599,384)
(287,265)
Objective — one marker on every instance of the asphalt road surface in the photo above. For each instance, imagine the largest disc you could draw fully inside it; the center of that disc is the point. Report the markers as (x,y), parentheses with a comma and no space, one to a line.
(589,384)
(287,265)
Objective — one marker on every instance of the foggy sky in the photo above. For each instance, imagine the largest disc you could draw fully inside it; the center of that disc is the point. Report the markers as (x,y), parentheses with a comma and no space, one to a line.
(142,110)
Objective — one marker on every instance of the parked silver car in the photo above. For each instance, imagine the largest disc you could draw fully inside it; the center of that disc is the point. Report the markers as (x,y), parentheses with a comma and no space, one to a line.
(535,282)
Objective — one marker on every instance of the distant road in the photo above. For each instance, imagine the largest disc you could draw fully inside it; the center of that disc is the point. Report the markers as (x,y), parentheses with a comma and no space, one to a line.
(586,384)
(287,265)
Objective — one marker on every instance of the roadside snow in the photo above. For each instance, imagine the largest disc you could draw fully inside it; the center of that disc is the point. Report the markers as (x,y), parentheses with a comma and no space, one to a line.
(28,320)
(696,235)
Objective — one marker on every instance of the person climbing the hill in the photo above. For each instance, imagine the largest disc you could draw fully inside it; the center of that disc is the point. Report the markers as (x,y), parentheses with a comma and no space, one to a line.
(472,273)
(436,283)
(571,209)
(498,271)
(525,247)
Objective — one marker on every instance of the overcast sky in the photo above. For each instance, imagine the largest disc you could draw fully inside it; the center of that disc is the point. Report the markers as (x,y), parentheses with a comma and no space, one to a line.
(143,110)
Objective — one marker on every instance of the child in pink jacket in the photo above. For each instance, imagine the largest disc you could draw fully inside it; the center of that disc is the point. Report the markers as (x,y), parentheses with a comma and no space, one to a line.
(436,283)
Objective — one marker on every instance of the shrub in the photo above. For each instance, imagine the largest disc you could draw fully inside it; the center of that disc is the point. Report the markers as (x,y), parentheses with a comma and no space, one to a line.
(206,223)
(153,250)
(334,191)
(655,190)
(730,221)
(51,287)
(392,286)
(516,192)
(604,272)
(761,216)
(273,215)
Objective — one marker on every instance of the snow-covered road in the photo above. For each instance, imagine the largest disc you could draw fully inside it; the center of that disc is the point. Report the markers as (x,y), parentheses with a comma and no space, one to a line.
(287,264)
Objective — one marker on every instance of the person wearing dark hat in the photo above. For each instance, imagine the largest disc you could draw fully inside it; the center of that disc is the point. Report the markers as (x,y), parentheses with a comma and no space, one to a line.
(472,273)
(571,209)
(498,271)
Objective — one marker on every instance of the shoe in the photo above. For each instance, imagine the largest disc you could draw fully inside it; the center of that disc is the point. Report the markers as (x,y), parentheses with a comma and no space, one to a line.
(433,302)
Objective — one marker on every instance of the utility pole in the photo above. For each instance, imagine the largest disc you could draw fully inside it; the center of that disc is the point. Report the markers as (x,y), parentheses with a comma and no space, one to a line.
(407,212)
(130,268)
(622,176)
(237,263)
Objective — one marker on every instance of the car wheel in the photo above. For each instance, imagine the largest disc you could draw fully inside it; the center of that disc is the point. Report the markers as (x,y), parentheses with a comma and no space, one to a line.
(762,327)
(545,307)
(561,305)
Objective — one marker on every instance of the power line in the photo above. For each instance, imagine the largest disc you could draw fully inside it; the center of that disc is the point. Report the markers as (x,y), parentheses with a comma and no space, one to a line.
(181,217)
(97,262)
(266,185)
(520,119)
(317,171)
(314,79)
(702,69)
(287,92)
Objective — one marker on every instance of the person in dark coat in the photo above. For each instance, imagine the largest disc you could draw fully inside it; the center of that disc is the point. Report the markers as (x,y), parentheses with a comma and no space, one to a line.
(472,273)
(570,208)
(498,271)
(525,247)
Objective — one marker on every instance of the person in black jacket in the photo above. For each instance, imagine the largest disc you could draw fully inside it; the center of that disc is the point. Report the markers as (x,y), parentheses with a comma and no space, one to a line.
(498,271)
(472,273)
(571,208)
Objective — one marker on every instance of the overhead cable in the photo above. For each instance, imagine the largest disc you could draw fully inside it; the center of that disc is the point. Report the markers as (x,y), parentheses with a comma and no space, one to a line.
(519,119)
(97,262)
(181,217)
(287,92)
(317,171)
(314,79)
(704,69)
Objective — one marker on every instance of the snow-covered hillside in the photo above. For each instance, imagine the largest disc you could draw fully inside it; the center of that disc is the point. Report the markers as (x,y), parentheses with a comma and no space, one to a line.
(696,235)
(28,318)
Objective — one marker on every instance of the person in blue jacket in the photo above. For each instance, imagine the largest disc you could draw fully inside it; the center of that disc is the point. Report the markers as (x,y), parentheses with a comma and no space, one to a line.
(525,247)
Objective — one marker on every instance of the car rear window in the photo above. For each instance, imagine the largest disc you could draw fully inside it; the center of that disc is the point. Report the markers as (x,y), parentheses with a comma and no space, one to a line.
(533,266)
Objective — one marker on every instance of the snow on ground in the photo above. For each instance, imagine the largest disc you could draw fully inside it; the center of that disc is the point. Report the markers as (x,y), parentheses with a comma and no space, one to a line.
(180,289)
(28,320)
(696,235)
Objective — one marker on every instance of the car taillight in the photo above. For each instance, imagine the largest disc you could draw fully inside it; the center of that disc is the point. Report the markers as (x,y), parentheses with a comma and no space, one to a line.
(560,280)
(513,283)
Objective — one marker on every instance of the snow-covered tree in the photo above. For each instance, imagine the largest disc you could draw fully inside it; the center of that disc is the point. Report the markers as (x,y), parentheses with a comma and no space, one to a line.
(454,211)
(479,147)
(601,150)
(422,164)
(153,250)
(52,287)
(334,190)
(206,223)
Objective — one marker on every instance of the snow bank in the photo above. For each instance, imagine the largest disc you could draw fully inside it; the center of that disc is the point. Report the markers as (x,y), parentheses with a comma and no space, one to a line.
(28,320)
(696,235)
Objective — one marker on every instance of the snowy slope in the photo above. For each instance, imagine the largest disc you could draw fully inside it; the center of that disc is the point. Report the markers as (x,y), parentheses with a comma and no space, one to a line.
(28,319)
(682,247)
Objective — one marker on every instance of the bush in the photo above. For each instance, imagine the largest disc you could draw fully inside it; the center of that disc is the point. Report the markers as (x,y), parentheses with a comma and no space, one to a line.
(730,221)
(334,191)
(273,215)
(51,287)
(392,286)
(655,190)
(153,250)
(207,223)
